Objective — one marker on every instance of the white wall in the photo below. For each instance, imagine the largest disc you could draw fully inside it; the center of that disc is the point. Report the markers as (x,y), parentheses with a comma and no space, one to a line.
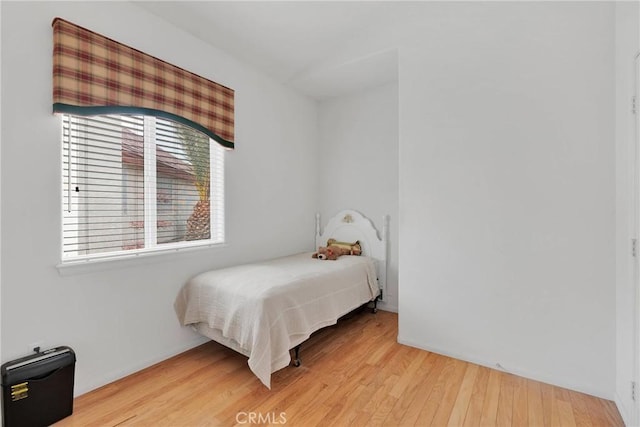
(507,189)
(627,333)
(121,319)
(358,161)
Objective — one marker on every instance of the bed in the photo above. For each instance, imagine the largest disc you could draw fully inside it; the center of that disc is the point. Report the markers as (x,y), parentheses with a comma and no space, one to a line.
(265,309)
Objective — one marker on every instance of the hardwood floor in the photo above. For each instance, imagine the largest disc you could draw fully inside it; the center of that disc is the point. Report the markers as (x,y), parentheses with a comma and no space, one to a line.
(354,373)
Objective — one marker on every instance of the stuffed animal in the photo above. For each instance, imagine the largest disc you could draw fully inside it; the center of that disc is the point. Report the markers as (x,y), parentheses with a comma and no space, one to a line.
(330,253)
(351,248)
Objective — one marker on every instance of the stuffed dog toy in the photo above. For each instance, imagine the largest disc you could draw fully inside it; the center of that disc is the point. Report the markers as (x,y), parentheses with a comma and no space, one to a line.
(330,253)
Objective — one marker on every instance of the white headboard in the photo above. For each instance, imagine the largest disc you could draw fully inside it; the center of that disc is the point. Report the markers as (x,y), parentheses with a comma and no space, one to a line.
(349,226)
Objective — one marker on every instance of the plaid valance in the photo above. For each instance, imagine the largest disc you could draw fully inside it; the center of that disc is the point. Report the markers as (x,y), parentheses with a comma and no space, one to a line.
(93,74)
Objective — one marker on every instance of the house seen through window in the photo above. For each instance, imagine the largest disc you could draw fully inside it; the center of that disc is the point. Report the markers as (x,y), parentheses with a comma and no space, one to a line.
(135,184)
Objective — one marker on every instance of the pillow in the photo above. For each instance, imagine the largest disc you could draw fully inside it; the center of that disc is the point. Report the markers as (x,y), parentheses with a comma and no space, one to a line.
(353,248)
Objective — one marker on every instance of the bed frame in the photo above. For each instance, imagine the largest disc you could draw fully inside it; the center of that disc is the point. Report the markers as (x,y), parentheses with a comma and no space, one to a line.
(346,226)
(349,226)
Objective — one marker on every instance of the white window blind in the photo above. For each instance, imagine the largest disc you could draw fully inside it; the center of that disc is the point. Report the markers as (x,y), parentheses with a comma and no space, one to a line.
(136,184)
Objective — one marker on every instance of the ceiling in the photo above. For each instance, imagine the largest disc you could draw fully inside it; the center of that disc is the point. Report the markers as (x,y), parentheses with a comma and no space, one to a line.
(300,44)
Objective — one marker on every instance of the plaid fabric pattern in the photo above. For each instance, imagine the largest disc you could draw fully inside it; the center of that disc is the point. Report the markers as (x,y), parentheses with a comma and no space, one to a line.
(90,70)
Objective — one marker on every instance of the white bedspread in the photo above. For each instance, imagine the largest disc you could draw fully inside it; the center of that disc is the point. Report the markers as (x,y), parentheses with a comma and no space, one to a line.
(270,307)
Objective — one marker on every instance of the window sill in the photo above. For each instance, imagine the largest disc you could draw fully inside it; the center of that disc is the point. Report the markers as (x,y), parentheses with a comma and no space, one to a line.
(113,262)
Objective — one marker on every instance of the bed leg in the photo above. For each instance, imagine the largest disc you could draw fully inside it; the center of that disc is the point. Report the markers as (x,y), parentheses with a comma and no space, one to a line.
(374,310)
(296,360)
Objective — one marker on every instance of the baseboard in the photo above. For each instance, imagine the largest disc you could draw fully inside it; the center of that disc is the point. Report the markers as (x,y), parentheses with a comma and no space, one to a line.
(387,307)
(518,372)
(116,375)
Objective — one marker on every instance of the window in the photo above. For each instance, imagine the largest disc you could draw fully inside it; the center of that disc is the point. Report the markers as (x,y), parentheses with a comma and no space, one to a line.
(136,184)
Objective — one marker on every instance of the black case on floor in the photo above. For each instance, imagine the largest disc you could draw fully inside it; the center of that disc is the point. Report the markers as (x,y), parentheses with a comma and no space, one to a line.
(37,390)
